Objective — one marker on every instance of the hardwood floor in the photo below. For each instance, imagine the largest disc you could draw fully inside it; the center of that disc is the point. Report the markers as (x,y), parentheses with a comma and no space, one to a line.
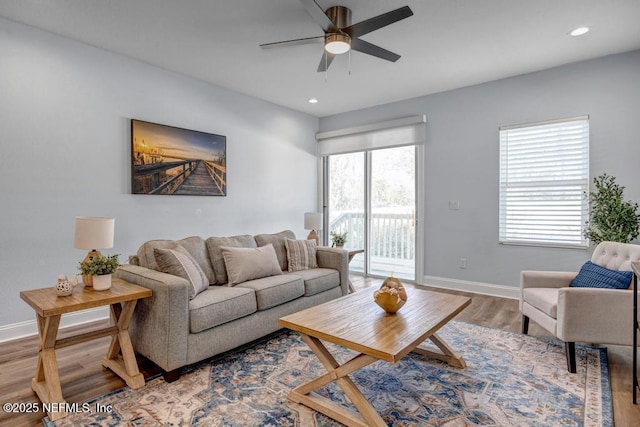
(83,377)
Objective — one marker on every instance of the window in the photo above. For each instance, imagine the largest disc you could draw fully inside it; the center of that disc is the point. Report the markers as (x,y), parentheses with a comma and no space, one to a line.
(544,174)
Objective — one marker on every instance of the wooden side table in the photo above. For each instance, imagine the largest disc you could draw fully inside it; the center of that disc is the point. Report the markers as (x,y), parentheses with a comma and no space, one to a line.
(49,308)
(352,254)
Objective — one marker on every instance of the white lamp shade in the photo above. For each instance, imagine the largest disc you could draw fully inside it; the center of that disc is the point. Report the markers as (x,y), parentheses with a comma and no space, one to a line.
(312,221)
(93,233)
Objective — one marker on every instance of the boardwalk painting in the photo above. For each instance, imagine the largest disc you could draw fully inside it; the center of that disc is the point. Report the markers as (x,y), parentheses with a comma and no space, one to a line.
(174,161)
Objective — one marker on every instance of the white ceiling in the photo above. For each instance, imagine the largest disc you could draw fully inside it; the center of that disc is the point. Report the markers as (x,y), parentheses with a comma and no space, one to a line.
(447,44)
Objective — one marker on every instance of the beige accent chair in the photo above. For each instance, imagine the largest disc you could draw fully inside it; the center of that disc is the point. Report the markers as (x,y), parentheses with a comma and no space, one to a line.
(590,315)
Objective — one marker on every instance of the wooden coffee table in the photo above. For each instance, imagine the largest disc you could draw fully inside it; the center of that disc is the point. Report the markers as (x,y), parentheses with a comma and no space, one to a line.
(122,297)
(355,321)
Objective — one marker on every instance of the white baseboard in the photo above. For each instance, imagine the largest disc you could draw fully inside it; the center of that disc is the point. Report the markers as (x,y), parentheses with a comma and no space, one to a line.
(502,291)
(29,328)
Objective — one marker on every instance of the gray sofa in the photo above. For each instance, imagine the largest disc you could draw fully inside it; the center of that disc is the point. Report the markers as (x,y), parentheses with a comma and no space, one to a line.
(173,331)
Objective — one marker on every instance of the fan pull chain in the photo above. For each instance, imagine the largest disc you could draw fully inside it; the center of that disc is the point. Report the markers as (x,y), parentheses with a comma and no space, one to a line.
(349,61)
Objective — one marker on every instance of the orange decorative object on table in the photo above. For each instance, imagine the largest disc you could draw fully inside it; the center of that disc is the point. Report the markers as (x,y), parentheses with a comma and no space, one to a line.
(391,295)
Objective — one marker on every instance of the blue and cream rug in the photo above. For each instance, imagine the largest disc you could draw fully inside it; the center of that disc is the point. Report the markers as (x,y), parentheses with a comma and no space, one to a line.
(510,380)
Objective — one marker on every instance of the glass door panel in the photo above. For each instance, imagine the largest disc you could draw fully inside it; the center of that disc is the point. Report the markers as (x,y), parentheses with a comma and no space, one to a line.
(372,196)
(346,204)
(392,229)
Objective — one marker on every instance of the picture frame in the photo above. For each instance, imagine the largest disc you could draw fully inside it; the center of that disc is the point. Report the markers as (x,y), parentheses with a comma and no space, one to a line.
(168,160)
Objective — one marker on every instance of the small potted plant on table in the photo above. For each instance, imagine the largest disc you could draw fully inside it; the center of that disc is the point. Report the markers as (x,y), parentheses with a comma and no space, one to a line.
(338,239)
(100,268)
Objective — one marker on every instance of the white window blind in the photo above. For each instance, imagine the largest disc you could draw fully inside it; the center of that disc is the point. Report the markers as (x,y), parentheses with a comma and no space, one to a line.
(544,173)
(392,133)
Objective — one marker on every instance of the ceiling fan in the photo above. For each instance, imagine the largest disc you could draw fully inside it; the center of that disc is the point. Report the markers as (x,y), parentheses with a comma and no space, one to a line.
(340,35)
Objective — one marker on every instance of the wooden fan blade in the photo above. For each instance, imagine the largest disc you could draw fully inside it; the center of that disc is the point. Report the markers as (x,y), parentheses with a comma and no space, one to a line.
(377,22)
(372,49)
(294,42)
(325,61)
(318,15)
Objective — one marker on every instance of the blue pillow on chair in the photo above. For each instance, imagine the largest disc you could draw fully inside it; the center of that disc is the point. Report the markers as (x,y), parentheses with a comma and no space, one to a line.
(593,276)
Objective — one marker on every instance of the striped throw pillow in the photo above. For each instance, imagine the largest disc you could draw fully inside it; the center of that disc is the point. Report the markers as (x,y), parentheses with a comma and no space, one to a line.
(179,262)
(301,254)
(594,276)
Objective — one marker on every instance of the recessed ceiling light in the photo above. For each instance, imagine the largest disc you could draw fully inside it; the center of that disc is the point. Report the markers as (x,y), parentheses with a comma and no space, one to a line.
(579,31)
(313,101)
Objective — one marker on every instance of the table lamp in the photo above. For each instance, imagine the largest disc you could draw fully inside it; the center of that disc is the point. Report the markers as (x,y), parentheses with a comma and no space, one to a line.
(313,222)
(93,233)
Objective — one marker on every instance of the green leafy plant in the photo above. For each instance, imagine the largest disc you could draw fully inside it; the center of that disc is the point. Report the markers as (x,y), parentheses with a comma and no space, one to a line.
(612,218)
(338,238)
(100,265)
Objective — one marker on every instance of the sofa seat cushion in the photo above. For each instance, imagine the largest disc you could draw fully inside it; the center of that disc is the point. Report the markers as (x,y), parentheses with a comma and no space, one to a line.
(544,299)
(318,280)
(275,290)
(218,305)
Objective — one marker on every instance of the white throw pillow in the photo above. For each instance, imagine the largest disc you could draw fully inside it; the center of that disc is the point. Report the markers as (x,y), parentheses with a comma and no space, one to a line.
(250,263)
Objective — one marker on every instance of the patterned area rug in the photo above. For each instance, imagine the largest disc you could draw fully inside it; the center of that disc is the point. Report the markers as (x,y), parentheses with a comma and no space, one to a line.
(510,380)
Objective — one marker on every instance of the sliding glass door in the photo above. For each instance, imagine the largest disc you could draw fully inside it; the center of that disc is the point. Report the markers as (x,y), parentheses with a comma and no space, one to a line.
(346,204)
(372,196)
(392,218)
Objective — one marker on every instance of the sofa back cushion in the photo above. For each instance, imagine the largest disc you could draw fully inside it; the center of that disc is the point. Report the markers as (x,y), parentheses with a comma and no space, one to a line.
(194,245)
(277,240)
(616,256)
(216,258)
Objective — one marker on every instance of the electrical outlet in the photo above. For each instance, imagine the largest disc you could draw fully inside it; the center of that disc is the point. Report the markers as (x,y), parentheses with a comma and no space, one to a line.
(454,205)
(462,263)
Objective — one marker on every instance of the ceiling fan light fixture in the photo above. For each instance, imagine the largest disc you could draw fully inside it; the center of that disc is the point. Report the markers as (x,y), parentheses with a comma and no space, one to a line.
(337,43)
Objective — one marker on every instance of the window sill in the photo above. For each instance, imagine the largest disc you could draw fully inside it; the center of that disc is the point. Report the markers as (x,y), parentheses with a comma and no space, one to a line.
(546,245)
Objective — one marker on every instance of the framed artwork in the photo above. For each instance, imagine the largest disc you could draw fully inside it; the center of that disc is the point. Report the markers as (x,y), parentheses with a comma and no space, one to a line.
(173,161)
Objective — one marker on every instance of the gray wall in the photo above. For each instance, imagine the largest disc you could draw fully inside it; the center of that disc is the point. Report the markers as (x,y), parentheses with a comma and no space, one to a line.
(65,111)
(462,157)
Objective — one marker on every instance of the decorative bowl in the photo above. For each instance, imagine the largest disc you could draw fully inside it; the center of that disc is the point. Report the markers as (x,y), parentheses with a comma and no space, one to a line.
(391,295)
(388,302)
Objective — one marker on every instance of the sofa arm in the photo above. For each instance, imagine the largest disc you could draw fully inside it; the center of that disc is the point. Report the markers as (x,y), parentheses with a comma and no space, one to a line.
(337,259)
(160,324)
(596,315)
(546,279)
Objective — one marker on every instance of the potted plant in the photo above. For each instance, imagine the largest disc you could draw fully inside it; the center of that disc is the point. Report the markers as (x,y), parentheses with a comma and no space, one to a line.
(612,218)
(100,268)
(338,239)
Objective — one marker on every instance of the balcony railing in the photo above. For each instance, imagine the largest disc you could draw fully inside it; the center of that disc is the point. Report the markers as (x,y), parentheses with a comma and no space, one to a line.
(392,239)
